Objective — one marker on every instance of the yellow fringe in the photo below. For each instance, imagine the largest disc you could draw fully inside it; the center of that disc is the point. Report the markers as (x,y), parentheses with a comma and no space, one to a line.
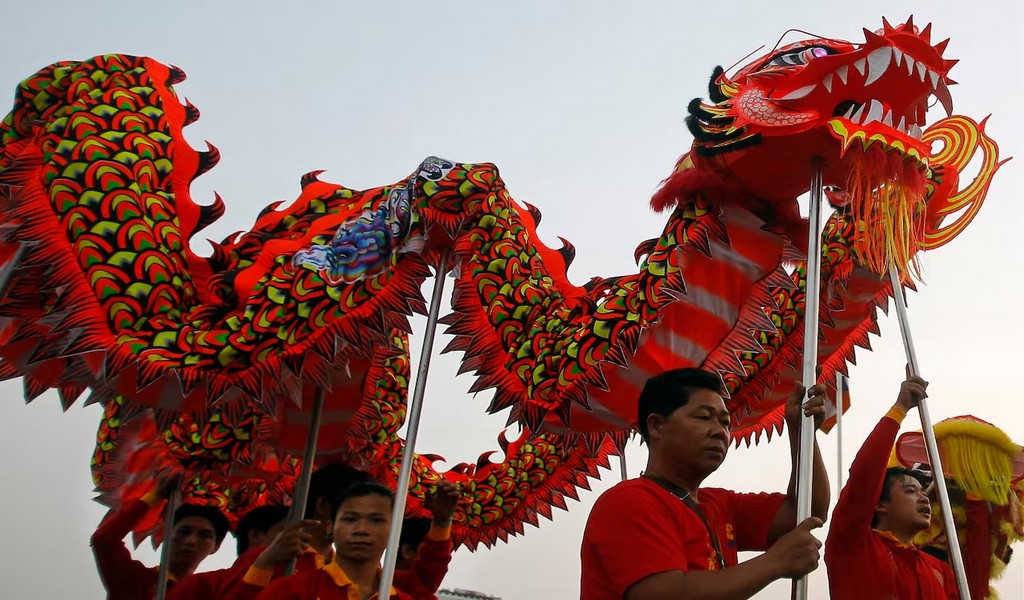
(979,456)
(890,219)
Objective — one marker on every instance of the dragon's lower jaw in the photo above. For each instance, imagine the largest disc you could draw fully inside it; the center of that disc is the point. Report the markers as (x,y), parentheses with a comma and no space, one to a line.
(906,145)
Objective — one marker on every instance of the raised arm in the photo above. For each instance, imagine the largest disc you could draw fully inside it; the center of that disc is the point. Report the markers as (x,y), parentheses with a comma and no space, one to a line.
(435,552)
(855,508)
(785,518)
(113,560)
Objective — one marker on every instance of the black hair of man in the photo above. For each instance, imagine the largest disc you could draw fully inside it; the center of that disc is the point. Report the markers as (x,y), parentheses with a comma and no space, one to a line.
(216,518)
(328,481)
(895,475)
(361,489)
(261,518)
(414,531)
(664,393)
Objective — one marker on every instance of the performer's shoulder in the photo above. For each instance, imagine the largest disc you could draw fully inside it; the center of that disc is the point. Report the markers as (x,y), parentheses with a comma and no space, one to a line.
(631,489)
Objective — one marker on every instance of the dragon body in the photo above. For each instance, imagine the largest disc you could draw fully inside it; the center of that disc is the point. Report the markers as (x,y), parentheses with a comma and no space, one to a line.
(224,353)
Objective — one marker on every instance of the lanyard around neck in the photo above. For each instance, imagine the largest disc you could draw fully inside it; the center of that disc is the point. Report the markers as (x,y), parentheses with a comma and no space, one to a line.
(685,497)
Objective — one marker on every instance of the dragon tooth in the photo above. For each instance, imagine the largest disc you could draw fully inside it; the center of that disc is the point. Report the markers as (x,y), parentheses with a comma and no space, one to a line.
(827,82)
(897,56)
(887,119)
(849,112)
(874,112)
(799,93)
(859,65)
(902,125)
(915,132)
(841,73)
(909,64)
(878,62)
(934,77)
(921,71)
(856,118)
(942,94)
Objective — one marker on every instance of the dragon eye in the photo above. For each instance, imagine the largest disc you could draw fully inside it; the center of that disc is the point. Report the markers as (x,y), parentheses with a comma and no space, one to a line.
(798,57)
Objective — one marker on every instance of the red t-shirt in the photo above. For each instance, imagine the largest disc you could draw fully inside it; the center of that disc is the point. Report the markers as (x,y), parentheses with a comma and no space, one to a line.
(328,583)
(199,586)
(429,567)
(638,529)
(244,582)
(865,563)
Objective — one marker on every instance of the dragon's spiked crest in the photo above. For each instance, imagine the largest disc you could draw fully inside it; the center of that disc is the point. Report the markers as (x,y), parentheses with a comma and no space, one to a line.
(859,108)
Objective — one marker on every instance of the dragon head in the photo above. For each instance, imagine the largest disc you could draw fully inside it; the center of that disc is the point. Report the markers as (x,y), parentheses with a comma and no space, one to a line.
(858,108)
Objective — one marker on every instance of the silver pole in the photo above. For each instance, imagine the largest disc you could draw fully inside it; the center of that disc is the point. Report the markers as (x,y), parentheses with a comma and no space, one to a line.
(622,465)
(165,549)
(298,509)
(929,438)
(805,462)
(415,407)
(839,432)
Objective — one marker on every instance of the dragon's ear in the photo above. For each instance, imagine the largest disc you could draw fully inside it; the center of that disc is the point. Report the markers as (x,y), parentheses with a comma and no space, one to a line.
(715,93)
(699,110)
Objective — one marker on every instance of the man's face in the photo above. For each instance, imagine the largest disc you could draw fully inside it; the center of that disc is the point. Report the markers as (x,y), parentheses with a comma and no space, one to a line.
(696,434)
(908,507)
(361,528)
(194,539)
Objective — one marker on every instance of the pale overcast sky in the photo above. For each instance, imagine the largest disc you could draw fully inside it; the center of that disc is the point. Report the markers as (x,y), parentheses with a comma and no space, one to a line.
(581,105)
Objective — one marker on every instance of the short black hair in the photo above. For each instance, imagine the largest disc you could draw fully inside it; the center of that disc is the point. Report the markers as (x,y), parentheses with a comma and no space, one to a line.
(664,393)
(261,518)
(361,489)
(212,514)
(414,530)
(328,481)
(894,474)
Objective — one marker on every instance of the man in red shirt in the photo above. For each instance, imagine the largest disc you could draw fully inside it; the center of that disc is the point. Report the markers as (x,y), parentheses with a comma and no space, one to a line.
(869,551)
(198,532)
(362,520)
(425,548)
(308,542)
(256,528)
(303,541)
(662,536)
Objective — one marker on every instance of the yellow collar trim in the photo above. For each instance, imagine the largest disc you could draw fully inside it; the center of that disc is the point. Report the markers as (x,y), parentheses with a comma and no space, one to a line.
(342,580)
(320,560)
(887,535)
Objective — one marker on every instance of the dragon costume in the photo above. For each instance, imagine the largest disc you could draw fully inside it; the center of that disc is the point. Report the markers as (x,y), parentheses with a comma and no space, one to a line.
(984,471)
(104,293)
